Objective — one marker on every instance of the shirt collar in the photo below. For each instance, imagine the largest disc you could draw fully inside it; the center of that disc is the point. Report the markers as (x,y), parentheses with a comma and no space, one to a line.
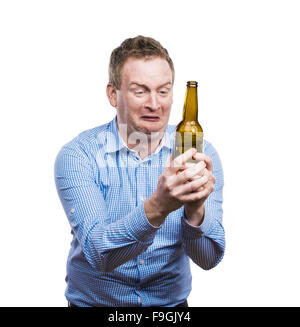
(114,141)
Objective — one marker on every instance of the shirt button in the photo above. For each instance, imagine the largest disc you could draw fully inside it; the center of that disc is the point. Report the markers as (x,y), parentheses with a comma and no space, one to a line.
(142,261)
(140,300)
(141,198)
(72,210)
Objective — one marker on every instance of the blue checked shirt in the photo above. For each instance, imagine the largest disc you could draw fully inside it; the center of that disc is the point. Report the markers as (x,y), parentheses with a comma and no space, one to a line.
(117,258)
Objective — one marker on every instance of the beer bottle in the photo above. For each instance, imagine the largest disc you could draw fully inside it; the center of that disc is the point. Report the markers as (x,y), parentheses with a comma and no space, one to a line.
(189,132)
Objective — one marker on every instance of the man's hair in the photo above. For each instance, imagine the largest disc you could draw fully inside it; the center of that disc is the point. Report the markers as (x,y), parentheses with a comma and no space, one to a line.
(137,47)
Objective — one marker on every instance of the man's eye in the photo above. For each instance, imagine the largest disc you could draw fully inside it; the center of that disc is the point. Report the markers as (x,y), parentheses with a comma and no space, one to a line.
(139,92)
(163,92)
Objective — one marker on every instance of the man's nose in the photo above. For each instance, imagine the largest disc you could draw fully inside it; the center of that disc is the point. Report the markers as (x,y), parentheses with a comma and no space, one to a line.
(152,102)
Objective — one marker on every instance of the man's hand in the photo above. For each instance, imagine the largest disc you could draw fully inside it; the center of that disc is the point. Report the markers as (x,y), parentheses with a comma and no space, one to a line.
(181,183)
(194,210)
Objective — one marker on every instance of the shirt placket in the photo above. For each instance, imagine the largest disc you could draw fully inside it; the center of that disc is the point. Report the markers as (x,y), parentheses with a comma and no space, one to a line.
(141,182)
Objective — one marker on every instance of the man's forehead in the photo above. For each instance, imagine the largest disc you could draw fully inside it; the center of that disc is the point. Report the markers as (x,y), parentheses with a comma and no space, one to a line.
(146,59)
(143,70)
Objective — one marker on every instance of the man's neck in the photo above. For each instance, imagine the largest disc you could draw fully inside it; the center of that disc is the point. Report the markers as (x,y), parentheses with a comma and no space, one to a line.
(145,148)
(143,144)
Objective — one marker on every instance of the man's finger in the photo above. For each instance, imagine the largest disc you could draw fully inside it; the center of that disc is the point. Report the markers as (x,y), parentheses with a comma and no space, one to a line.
(193,185)
(203,157)
(194,171)
(183,158)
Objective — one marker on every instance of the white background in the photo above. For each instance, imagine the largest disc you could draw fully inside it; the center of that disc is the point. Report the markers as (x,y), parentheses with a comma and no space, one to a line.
(53,72)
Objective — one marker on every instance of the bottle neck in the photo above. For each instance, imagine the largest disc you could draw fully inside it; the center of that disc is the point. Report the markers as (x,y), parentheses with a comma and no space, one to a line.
(190,112)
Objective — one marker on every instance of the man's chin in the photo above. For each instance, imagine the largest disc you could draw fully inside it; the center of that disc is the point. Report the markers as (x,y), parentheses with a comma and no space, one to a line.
(151,130)
(151,127)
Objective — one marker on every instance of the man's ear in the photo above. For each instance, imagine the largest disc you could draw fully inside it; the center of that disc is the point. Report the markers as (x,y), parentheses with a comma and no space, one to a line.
(111,93)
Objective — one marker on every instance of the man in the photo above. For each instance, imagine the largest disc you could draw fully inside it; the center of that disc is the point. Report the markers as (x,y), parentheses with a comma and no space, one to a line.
(137,214)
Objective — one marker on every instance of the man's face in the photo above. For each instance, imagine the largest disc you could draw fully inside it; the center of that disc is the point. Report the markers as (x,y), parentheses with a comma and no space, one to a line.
(145,96)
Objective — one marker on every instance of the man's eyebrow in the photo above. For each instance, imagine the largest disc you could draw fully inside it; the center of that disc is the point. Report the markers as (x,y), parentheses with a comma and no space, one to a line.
(165,84)
(145,86)
(138,84)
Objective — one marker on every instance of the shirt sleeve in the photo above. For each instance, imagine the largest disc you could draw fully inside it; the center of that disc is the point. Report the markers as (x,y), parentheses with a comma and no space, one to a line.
(205,244)
(105,245)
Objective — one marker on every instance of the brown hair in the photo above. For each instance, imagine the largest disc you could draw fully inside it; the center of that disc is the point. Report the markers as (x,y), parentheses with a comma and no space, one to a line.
(137,47)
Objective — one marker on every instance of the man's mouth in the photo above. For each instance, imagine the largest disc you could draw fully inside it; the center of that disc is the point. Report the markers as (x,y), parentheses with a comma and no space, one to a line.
(150,118)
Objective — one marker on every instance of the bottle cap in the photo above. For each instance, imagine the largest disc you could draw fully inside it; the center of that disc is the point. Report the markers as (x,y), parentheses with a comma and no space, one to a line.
(192,83)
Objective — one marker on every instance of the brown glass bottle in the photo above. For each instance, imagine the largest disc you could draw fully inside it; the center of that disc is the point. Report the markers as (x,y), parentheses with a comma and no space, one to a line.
(189,132)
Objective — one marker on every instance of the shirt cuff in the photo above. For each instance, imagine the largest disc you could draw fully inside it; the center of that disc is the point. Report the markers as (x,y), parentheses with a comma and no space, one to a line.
(139,226)
(191,231)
